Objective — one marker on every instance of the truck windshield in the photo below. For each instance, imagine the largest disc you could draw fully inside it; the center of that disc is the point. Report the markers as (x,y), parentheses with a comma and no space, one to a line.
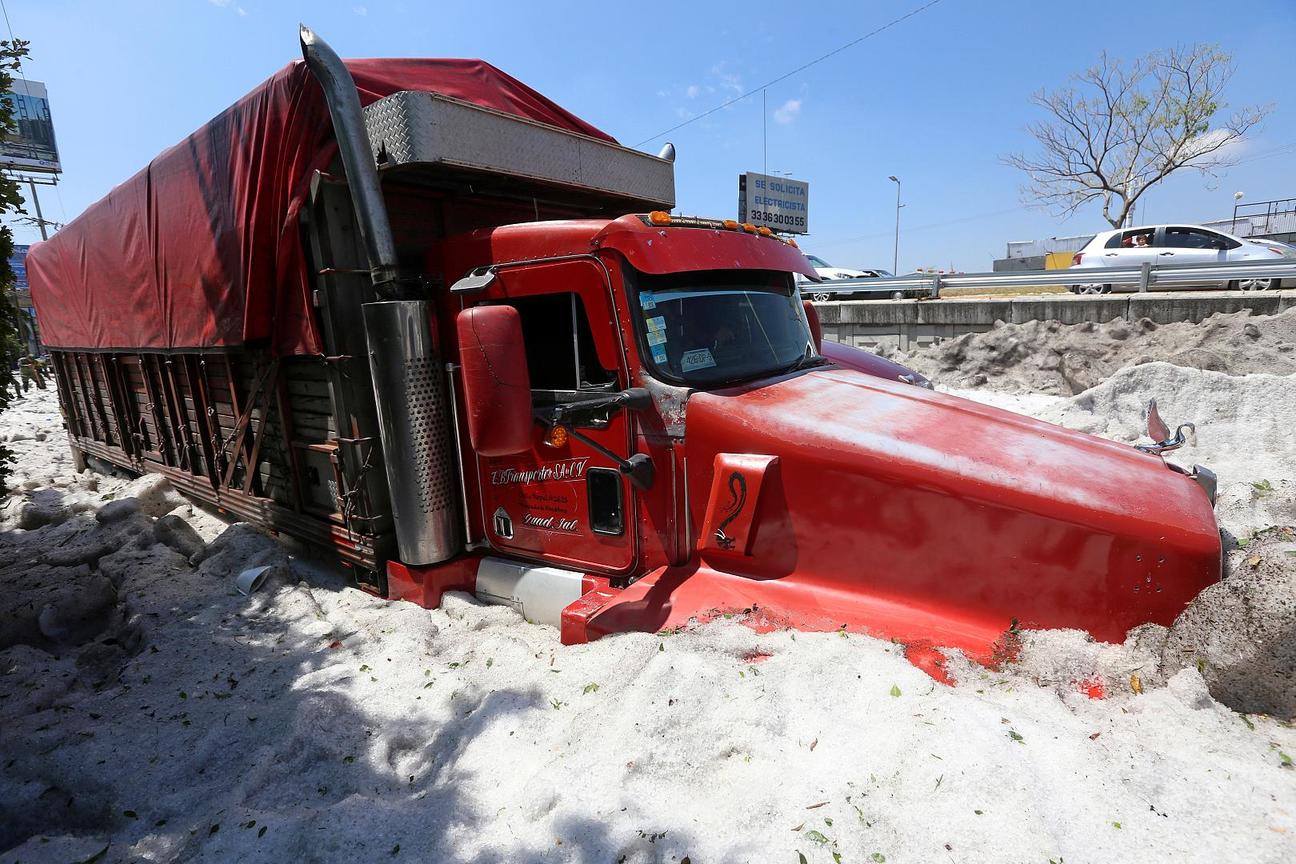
(719,327)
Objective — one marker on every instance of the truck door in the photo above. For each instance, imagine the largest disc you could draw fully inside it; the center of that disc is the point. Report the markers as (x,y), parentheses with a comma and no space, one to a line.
(562,501)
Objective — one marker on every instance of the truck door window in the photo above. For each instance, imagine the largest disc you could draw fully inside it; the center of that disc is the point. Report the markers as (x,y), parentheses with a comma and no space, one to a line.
(559,344)
(606,501)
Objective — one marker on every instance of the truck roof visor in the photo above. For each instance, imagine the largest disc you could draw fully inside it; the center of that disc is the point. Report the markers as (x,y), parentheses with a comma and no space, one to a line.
(424,134)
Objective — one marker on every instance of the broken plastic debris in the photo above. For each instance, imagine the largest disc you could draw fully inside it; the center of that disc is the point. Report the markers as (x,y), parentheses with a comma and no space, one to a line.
(252,579)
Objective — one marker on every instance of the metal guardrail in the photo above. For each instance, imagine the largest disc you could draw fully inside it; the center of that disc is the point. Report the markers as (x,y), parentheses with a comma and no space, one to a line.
(1144,278)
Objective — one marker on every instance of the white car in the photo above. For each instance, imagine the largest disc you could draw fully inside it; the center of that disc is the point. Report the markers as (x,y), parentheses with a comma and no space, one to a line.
(828,271)
(831,273)
(1174,244)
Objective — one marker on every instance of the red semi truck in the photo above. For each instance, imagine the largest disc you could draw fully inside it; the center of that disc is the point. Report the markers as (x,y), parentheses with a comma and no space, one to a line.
(396,308)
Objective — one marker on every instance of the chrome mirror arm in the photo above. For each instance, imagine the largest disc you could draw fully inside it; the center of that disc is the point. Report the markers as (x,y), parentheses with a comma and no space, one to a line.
(1179,440)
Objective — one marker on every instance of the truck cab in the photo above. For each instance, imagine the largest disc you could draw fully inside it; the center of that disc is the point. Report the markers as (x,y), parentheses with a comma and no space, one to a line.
(604,308)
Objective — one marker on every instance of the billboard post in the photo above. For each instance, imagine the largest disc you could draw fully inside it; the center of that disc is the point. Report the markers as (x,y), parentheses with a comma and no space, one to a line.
(40,217)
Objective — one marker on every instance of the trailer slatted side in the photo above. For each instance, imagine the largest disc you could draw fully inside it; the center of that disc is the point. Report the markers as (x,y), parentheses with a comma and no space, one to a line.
(244,431)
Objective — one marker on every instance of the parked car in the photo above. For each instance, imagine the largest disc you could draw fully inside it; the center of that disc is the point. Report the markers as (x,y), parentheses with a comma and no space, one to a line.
(1174,244)
(830,273)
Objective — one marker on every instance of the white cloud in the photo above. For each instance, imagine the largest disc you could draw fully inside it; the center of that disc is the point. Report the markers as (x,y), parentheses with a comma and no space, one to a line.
(1213,139)
(229,4)
(787,112)
(693,91)
(361,10)
(729,81)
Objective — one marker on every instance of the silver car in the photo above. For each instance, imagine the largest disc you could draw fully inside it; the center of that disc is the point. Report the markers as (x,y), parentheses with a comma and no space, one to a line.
(1174,244)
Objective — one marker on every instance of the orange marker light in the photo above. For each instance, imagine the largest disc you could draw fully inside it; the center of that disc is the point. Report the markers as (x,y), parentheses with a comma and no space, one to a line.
(792,242)
(556,437)
(731,224)
(763,231)
(749,228)
(659,217)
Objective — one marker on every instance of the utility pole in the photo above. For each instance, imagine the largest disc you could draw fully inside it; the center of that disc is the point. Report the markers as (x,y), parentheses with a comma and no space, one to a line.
(895,260)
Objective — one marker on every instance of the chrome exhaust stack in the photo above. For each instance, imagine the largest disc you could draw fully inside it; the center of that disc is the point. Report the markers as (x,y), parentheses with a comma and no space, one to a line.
(414,422)
(409,382)
(357,160)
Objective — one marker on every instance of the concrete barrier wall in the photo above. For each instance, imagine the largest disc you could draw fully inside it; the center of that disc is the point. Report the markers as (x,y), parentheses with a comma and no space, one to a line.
(912,323)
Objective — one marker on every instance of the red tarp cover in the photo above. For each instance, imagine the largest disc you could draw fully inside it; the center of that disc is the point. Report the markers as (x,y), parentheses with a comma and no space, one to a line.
(202,248)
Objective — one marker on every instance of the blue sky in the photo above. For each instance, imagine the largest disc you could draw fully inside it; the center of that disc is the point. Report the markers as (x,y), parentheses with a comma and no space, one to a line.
(935,100)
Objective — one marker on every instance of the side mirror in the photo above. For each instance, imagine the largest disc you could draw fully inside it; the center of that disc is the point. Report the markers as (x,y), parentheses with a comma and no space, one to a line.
(816,329)
(497,386)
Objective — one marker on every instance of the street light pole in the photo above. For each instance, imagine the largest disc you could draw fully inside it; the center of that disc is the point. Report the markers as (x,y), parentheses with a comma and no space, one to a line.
(895,260)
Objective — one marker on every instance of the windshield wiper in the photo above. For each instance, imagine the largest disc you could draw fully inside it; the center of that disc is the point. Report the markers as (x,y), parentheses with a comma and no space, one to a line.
(805,361)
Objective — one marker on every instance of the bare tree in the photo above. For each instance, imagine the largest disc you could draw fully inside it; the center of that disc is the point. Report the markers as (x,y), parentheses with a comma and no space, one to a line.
(1117,129)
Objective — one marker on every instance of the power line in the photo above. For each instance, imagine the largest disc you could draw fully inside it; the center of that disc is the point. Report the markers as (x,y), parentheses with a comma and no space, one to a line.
(926,227)
(12,40)
(851,44)
(1280,150)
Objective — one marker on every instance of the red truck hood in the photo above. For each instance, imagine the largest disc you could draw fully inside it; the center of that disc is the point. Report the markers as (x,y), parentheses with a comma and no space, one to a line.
(947,518)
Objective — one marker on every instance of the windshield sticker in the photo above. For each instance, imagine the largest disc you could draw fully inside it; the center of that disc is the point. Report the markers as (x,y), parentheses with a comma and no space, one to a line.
(657,324)
(698,359)
(659,353)
(647,300)
(656,337)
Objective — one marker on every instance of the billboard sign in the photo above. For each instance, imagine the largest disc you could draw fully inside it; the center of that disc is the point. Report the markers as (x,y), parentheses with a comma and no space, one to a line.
(30,147)
(18,264)
(778,203)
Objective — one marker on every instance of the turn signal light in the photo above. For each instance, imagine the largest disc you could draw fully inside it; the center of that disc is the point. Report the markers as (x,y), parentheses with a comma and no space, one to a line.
(556,437)
(659,217)
(749,228)
(731,224)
